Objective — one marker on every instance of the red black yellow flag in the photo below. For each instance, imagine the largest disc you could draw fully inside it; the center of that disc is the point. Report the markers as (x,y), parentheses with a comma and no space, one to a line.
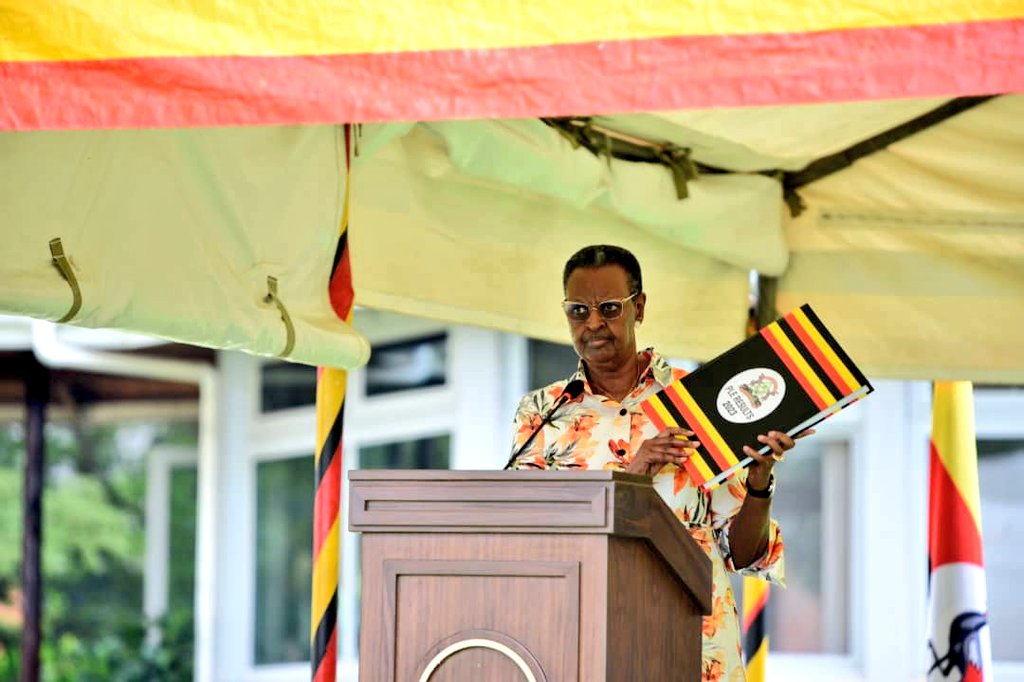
(959,641)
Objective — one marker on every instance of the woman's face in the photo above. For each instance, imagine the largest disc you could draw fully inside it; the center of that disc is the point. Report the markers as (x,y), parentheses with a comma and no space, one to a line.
(600,341)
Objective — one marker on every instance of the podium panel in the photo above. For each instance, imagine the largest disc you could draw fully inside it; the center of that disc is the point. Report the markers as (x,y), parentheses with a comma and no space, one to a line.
(476,576)
(495,601)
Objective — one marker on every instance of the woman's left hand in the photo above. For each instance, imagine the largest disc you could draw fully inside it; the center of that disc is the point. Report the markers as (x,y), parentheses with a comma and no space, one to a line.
(760,471)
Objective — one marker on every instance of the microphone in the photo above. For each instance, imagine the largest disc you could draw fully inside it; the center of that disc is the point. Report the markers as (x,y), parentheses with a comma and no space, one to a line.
(572,390)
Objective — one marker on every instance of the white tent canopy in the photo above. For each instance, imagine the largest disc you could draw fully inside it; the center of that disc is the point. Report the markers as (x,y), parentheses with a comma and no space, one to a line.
(174,233)
(916,253)
(912,255)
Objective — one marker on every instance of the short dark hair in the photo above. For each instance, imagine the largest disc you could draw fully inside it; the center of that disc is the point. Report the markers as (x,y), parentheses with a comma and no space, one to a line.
(599,255)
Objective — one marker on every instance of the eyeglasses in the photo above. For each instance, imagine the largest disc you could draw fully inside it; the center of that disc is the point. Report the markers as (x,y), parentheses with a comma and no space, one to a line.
(608,310)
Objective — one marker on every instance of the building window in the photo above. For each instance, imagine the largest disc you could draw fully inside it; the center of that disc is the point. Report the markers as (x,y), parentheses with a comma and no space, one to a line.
(811,614)
(1000,473)
(550,362)
(284,559)
(407,365)
(423,453)
(181,574)
(285,384)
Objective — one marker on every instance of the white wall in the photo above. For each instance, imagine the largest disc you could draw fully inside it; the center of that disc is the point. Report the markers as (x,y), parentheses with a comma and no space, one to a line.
(888,478)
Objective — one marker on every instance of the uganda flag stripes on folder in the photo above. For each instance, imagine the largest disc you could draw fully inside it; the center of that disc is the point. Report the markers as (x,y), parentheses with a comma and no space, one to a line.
(788,377)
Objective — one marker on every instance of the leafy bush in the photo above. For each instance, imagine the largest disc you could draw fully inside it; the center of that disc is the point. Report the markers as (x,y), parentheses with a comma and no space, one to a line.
(127,655)
(93,543)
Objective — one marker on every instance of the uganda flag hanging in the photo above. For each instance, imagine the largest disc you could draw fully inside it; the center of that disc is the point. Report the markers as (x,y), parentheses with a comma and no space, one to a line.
(787,377)
(959,648)
(167,63)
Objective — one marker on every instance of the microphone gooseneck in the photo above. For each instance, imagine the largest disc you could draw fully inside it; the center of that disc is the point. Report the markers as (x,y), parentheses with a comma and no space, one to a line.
(572,391)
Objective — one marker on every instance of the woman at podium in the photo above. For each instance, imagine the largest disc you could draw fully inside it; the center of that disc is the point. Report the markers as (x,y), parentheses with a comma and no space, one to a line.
(593,420)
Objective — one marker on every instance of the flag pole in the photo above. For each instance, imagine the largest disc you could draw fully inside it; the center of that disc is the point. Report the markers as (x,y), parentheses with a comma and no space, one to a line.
(755,627)
(330,410)
(753,621)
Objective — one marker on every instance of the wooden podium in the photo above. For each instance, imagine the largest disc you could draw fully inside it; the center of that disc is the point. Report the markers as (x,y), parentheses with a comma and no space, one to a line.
(519,576)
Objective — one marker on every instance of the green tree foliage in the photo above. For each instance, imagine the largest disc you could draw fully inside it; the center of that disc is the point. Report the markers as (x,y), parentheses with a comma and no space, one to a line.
(83,532)
(122,656)
(93,544)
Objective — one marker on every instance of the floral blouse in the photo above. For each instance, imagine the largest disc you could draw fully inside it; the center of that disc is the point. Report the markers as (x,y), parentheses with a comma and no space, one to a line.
(596,432)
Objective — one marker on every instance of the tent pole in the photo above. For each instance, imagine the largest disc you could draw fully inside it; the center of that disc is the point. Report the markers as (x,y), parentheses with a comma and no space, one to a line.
(766,312)
(37,384)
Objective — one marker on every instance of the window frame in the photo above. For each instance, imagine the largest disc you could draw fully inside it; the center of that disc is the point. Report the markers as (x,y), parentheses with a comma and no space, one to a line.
(839,432)
(265,457)
(997,417)
(160,463)
(836,536)
(291,432)
(410,342)
(281,412)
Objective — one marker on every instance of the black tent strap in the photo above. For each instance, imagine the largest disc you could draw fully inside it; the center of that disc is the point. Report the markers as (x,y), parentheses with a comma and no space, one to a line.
(601,141)
(827,165)
(581,131)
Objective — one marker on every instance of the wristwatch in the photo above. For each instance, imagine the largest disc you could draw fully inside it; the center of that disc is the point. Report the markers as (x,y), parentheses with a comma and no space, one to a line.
(764,493)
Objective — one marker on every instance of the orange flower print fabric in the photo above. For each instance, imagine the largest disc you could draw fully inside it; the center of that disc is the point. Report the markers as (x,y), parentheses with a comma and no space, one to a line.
(596,432)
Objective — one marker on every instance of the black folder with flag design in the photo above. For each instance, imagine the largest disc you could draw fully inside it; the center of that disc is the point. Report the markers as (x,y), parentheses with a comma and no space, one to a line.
(788,377)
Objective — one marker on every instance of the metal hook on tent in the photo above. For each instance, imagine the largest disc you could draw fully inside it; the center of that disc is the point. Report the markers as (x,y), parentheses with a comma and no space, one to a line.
(63,266)
(272,297)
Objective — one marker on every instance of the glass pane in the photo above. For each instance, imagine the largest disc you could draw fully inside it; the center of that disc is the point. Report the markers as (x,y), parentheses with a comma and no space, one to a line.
(286,384)
(182,571)
(810,614)
(418,363)
(284,563)
(550,362)
(1000,475)
(425,453)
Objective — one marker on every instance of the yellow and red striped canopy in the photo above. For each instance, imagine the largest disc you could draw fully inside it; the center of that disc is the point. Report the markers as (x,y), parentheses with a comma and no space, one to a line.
(166,63)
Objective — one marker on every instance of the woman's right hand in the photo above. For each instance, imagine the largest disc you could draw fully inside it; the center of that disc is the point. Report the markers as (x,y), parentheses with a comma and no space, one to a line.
(671,446)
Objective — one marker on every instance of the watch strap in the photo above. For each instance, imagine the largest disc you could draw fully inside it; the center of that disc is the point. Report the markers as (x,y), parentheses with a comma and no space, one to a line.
(765,492)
